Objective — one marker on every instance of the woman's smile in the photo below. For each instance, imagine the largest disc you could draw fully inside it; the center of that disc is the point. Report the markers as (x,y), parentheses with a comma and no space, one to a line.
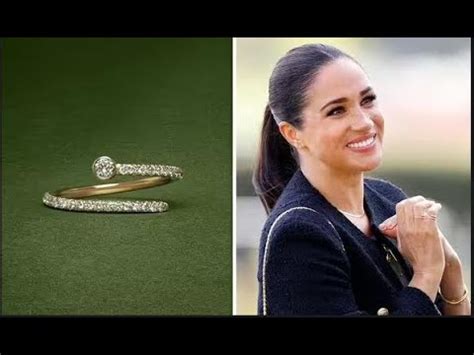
(363,145)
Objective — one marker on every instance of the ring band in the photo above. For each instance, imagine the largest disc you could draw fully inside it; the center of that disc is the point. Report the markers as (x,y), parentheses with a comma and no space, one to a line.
(426,215)
(71,199)
(105,168)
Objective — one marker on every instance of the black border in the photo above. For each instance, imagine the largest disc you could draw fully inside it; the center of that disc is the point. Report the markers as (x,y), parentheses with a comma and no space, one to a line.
(376,334)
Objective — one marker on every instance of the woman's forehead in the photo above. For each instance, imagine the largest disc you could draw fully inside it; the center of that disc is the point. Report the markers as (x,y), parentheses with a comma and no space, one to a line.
(340,78)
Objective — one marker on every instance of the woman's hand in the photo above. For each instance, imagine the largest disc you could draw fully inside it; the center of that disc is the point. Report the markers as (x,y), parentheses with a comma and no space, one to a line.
(452,282)
(450,255)
(389,228)
(419,241)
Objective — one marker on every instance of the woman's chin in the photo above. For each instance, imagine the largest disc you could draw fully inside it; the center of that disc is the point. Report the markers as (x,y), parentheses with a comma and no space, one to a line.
(369,165)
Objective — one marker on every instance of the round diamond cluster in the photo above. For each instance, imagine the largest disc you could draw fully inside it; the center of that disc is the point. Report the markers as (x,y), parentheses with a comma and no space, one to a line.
(104,168)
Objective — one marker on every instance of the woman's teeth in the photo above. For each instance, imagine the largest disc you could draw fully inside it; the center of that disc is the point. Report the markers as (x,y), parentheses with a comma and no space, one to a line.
(362,144)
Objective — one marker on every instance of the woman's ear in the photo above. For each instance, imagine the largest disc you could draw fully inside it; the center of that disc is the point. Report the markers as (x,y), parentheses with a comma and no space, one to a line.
(290,133)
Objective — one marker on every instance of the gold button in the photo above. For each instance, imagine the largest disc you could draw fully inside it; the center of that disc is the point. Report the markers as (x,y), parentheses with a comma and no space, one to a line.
(382,311)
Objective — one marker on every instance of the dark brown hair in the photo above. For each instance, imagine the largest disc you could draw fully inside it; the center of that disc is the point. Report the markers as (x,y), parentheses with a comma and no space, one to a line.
(287,96)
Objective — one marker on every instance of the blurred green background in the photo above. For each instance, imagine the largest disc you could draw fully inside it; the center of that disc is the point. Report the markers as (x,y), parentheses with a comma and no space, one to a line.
(423,87)
(67,101)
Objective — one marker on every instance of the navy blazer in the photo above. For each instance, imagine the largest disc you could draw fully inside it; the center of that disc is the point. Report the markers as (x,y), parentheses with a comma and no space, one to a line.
(315,261)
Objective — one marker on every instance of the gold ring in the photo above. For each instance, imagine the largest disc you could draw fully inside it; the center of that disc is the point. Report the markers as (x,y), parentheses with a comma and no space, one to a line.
(71,199)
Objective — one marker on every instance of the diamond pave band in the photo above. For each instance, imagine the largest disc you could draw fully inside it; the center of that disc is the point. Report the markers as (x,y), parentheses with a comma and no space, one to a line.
(105,168)
(71,199)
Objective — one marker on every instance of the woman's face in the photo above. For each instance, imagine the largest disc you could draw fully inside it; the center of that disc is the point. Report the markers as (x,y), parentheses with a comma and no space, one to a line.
(341,119)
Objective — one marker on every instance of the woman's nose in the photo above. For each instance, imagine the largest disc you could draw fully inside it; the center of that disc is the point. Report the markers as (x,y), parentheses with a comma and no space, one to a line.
(362,121)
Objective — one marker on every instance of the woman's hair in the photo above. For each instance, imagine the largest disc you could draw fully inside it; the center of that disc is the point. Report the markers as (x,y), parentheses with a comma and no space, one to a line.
(288,87)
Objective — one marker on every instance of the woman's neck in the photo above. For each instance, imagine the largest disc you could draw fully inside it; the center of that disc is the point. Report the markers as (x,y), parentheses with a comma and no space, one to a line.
(345,191)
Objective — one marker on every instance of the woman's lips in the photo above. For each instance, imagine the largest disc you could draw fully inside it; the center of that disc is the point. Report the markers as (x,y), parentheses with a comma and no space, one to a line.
(363,146)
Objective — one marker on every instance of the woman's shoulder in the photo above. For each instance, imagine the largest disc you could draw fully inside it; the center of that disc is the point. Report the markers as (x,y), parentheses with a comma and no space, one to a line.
(293,220)
(385,188)
(299,232)
(296,215)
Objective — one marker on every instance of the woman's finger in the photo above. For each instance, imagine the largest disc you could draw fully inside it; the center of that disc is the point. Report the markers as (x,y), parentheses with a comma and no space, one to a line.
(433,211)
(390,227)
(391,233)
(389,223)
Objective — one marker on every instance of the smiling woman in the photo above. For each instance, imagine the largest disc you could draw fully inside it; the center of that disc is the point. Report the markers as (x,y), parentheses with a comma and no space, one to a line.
(326,246)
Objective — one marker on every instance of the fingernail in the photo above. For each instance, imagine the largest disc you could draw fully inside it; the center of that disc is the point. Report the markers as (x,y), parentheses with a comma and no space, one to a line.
(387,226)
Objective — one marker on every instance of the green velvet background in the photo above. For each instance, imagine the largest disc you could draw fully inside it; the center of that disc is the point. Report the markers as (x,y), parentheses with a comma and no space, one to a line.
(149,100)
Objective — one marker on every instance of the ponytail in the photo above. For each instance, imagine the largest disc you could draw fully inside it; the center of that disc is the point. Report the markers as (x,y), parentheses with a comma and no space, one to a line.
(276,163)
(291,79)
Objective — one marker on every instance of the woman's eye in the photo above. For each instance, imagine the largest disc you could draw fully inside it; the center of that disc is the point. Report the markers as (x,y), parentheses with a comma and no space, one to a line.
(369,99)
(336,111)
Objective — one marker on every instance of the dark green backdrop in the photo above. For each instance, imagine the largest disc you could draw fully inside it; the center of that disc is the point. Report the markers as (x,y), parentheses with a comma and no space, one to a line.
(68,101)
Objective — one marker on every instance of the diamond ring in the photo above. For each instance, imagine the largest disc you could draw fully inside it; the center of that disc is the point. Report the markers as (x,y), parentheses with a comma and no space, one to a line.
(426,215)
(71,199)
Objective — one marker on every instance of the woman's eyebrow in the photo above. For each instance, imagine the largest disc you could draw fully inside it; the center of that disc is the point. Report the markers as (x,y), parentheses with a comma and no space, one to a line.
(344,99)
(365,91)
